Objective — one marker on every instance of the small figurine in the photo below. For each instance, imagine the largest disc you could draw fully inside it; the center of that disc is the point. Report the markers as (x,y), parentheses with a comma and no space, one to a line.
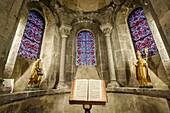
(36,75)
(142,74)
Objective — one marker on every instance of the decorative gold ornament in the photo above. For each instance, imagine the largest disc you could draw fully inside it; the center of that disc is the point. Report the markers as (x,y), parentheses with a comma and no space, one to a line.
(36,75)
(142,74)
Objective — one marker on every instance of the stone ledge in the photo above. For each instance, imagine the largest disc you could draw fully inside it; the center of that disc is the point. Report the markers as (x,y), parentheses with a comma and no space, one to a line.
(153,92)
(18,96)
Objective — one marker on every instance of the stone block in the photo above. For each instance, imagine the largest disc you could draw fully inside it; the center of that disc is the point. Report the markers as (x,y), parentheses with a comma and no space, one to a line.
(164,21)
(120,100)
(122,29)
(125,37)
(123,76)
(126,44)
(15,8)
(104,58)
(106,77)
(105,67)
(148,16)
(124,55)
(86,72)
(160,8)
(150,106)
(168,3)
(121,18)
(163,54)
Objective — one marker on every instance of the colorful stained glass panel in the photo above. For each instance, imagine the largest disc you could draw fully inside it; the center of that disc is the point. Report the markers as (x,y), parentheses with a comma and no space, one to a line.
(141,33)
(33,32)
(32,38)
(85,49)
(36,18)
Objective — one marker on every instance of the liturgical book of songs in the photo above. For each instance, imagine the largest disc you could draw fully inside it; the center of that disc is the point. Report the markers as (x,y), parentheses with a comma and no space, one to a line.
(86,91)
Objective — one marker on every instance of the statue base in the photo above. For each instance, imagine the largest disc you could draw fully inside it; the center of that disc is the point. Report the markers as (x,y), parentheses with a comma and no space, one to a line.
(62,85)
(32,88)
(145,86)
(113,84)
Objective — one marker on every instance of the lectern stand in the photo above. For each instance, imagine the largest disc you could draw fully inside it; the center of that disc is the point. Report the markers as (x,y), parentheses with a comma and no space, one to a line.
(88,92)
(87,108)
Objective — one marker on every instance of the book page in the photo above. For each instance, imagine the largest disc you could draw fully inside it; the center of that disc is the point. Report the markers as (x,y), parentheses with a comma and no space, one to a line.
(80,89)
(95,90)
(86,91)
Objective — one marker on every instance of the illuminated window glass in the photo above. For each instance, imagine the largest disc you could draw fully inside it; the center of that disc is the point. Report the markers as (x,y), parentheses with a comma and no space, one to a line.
(32,38)
(141,33)
(85,49)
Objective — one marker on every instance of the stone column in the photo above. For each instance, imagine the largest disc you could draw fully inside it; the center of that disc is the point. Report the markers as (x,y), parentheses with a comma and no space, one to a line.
(64,31)
(107,29)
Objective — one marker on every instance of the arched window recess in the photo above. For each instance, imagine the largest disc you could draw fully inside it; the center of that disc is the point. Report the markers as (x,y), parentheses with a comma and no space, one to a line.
(32,38)
(141,34)
(85,48)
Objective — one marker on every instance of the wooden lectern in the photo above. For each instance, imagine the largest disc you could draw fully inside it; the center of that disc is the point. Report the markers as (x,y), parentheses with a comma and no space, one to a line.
(88,92)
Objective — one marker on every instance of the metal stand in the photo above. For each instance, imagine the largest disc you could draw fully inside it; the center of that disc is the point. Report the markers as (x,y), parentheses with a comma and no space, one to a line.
(87,108)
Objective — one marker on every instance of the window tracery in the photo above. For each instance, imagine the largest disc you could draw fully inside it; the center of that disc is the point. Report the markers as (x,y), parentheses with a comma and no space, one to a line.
(32,38)
(141,34)
(85,49)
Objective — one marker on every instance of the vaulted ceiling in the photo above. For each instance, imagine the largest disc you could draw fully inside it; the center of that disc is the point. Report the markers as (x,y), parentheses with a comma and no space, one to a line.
(84,5)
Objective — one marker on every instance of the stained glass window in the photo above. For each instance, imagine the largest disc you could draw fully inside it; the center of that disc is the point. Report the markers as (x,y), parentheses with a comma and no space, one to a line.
(32,38)
(85,49)
(141,33)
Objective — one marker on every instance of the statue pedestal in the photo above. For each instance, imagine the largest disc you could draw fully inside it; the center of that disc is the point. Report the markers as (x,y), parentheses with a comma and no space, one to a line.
(145,86)
(32,88)
(113,84)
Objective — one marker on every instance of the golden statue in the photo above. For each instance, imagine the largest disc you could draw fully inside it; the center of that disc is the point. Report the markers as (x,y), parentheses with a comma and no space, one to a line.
(36,75)
(142,74)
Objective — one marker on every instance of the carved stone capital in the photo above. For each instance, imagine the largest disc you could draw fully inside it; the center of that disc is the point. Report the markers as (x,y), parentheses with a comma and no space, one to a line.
(106,28)
(65,31)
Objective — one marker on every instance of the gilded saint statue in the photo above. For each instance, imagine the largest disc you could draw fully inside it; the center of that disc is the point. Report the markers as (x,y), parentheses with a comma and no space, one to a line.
(36,75)
(142,74)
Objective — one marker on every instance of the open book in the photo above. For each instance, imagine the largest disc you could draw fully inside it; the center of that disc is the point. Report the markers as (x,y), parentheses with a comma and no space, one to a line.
(86,91)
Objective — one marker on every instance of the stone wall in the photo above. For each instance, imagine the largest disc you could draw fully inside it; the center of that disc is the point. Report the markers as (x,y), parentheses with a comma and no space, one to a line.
(50,48)
(100,47)
(10,11)
(122,47)
(124,53)
(119,101)
(161,12)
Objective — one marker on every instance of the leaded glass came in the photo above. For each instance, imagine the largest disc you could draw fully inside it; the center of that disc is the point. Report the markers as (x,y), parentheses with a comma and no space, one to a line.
(85,53)
(32,38)
(141,34)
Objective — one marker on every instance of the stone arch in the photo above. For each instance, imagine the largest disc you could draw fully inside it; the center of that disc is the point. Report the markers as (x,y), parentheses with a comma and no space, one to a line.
(127,52)
(93,44)
(32,53)
(140,36)
(158,63)
(13,64)
(99,44)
